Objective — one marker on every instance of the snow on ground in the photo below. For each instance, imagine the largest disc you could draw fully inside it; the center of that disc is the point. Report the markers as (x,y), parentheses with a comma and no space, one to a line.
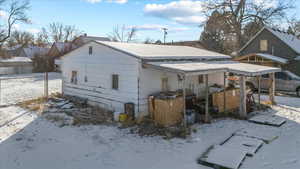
(16,88)
(33,142)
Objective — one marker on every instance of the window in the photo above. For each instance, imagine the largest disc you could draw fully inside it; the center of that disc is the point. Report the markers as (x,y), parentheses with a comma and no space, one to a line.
(200,79)
(90,50)
(264,45)
(281,75)
(115,81)
(85,78)
(164,84)
(74,77)
(265,76)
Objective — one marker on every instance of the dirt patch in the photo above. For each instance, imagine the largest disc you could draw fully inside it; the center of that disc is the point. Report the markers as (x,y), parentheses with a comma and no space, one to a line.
(147,127)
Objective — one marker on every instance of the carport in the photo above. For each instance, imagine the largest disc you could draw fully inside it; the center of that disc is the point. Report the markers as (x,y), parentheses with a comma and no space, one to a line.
(195,68)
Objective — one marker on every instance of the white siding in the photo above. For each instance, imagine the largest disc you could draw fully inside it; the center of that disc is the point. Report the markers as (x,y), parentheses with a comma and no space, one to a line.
(150,83)
(99,68)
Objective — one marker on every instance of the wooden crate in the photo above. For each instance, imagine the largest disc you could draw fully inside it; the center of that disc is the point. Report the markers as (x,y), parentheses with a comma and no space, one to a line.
(232,100)
(167,112)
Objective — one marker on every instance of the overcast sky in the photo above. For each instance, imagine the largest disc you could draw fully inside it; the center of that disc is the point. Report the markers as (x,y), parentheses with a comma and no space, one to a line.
(98,17)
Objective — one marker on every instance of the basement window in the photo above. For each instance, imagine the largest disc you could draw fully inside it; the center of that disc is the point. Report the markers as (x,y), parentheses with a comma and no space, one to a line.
(115,81)
(263,45)
(90,50)
(74,77)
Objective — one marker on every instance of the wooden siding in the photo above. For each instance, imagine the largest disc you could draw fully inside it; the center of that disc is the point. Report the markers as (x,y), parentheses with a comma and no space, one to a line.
(279,47)
(99,68)
(257,60)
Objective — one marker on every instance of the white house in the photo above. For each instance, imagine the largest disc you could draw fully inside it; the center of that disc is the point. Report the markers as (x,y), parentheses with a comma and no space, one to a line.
(112,73)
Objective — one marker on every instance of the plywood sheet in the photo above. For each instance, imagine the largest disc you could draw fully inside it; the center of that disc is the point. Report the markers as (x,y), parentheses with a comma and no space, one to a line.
(224,156)
(267,119)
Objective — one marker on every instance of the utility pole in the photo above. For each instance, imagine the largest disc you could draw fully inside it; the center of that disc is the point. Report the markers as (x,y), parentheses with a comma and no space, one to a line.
(165,34)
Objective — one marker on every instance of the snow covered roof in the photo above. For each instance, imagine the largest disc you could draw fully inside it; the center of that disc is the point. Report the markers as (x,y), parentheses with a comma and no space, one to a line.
(271,57)
(191,68)
(35,50)
(152,52)
(291,40)
(96,38)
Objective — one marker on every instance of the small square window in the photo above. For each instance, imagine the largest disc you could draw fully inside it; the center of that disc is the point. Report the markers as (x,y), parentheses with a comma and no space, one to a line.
(90,50)
(263,45)
(115,81)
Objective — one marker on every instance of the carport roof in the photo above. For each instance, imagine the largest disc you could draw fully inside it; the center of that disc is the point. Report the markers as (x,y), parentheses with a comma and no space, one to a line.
(194,68)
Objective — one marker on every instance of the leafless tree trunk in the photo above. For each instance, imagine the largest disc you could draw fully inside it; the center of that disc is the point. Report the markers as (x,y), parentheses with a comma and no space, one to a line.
(237,13)
(123,34)
(15,14)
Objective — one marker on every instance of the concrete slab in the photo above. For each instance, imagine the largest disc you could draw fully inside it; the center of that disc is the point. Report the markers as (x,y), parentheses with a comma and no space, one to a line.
(222,156)
(272,120)
(259,133)
(250,145)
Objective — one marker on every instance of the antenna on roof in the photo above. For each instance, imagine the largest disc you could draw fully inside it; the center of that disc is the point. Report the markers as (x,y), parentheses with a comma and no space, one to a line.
(165,34)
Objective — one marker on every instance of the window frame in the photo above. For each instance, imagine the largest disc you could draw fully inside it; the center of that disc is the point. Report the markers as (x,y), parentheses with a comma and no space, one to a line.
(90,50)
(263,45)
(115,79)
(74,77)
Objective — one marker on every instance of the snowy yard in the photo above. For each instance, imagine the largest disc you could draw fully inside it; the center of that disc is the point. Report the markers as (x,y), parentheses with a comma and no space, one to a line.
(16,88)
(33,142)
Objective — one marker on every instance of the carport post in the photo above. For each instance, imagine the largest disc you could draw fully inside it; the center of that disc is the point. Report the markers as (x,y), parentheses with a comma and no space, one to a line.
(207,117)
(184,101)
(224,96)
(259,88)
(272,88)
(243,103)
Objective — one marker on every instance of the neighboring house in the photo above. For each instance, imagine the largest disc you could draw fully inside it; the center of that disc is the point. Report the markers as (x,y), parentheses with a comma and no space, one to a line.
(16,65)
(111,74)
(60,48)
(33,51)
(196,44)
(273,48)
(12,51)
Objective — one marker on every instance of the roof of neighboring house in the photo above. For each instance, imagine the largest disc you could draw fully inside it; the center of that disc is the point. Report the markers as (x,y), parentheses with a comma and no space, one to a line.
(97,38)
(195,43)
(35,50)
(272,57)
(62,46)
(266,56)
(16,59)
(151,51)
(291,40)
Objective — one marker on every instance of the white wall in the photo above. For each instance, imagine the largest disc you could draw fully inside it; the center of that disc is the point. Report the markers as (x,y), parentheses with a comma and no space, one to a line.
(99,68)
(15,70)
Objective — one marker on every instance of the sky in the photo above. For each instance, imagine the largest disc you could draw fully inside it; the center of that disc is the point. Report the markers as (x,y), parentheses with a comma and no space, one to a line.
(99,17)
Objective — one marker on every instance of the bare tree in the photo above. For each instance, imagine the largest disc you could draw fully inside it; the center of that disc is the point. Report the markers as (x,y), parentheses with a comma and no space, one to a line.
(59,32)
(123,34)
(42,39)
(20,38)
(237,13)
(294,26)
(17,13)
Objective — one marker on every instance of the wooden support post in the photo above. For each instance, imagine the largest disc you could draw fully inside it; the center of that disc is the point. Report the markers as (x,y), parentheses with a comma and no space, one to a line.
(207,116)
(272,88)
(184,102)
(46,86)
(243,111)
(224,96)
(259,89)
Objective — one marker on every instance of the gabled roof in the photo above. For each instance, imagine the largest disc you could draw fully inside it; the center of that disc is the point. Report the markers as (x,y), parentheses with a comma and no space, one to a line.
(35,50)
(152,52)
(292,41)
(63,46)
